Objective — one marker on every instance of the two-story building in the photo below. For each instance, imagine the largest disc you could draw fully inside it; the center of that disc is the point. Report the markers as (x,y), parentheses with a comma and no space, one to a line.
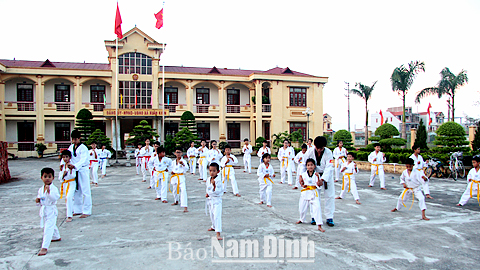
(40,99)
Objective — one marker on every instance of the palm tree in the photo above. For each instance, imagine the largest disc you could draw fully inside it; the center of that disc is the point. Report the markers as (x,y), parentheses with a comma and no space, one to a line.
(365,92)
(402,79)
(447,85)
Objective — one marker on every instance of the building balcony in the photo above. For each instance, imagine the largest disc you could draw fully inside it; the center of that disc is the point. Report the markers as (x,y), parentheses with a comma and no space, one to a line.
(96,107)
(20,106)
(205,108)
(239,109)
(174,108)
(267,108)
(60,106)
(58,145)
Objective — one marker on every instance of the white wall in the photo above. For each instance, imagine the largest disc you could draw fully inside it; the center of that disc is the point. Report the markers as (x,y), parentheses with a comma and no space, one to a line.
(86,90)
(11,88)
(49,89)
(213,93)
(375,120)
(245,131)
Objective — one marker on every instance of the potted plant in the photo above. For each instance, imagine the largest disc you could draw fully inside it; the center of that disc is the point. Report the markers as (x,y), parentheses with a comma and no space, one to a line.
(40,148)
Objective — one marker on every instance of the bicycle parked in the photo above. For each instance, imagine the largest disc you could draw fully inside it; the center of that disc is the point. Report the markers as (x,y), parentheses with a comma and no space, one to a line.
(434,166)
(455,165)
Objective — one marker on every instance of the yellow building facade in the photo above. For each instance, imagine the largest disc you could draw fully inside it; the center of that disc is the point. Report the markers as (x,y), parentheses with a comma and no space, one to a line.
(40,99)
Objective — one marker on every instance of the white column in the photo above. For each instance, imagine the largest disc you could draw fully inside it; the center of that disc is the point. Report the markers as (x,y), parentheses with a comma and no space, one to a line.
(114,141)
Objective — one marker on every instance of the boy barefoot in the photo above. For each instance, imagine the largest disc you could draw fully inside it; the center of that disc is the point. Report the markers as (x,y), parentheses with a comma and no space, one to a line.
(418,166)
(67,183)
(309,181)
(377,158)
(161,166)
(349,170)
(178,169)
(47,198)
(227,162)
(214,199)
(265,172)
(473,182)
(412,183)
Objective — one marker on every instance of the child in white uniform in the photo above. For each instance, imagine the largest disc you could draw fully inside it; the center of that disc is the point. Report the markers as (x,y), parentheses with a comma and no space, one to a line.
(291,162)
(146,153)
(349,170)
(47,198)
(192,157)
(285,156)
(94,157)
(156,144)
(104,155)
(418,166)
(178,169)
(263,150)
(214,155)
(67,184)
(301,164)
(377,158)
(247,156)
(339,153)
(161,164)
(412,184)
(309,181)
(214,199)
(138,160)
(265,173)
(226,163)
(203,153)
(309,143)
(473,178)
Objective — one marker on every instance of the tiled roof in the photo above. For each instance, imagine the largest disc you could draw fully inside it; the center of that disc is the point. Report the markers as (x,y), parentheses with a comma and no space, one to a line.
(173,69)
(61,65)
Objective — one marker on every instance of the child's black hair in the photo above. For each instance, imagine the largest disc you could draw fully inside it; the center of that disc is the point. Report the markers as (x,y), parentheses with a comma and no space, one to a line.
(67,153)
(157,143)
(409,161)
(47,171)
(161,149)
(320,142)
(215,165)
(94,142)
(415,146)
(376,144)
(245,140)
(139,143)
(351,154)
(304,146)
(75,134)
(286,140)
(338,142)
(212,141)
(227,146)
(178,148)
(310,139)
(266,155)
(203,140)
(310,160)
(476,158)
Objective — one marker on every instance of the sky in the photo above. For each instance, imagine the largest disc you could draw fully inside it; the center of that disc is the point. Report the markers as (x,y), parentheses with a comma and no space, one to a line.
(347,41)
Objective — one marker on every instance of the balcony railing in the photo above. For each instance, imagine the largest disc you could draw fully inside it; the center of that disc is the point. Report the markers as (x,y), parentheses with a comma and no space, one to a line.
(236,108)
(24,146)
(62,106)
(266,108)
(203,108)
(60,144)
(97,106)
(172,107)
(23,106)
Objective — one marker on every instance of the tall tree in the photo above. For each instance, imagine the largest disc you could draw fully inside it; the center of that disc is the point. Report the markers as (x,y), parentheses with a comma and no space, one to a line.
(365,92)
(476,139)
(188,120)
(421,136)
(448,85)
(85,124)
(141,132)
(402,79)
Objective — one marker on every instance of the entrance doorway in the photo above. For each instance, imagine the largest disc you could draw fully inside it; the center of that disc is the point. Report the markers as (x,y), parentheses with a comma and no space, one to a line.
(25,135)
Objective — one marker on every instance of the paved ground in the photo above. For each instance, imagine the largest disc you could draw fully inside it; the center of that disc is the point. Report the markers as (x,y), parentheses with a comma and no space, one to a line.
(129,230)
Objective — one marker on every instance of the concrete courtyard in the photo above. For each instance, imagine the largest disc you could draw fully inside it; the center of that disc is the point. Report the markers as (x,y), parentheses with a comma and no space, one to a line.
(130,230)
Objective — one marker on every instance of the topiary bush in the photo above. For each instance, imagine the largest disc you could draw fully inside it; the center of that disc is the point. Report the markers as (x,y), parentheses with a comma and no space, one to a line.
(451,134)
(345,136)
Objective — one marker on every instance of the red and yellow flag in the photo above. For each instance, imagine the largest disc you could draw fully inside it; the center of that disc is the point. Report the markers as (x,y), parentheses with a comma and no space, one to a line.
(159,17)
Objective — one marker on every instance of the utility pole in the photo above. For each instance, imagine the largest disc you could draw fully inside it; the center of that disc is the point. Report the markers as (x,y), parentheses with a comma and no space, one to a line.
(348,98)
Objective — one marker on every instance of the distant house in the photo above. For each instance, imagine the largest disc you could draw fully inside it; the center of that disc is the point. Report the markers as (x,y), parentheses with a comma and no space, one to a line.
(327,124)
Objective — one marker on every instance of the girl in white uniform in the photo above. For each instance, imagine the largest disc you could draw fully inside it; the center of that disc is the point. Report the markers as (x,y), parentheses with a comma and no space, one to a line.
(192,157)
(203,153)
(47,198)
(309,181)
(349,170)
(178,169)
(412,183)
(340,153)
(247,156)
(214,199)
(263,150)
(214,155)
(265,173)
(418,166)
(226,163)
(299,159)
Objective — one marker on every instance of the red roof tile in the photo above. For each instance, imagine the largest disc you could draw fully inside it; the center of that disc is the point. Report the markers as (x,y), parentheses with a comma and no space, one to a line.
(61,65)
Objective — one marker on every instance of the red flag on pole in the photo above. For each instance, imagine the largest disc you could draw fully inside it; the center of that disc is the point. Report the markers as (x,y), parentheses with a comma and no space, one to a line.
(381,117)
(428,112)
(159,17)
(118,24)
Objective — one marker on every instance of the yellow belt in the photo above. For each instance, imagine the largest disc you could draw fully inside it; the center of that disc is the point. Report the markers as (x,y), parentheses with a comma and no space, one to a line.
(283,162)
(228,174)
(163,174)
(178,179)
(377,167)
(343,183)
(342,159)
(413,197)
(265,179)
(200,160)
(478,191)
(311,188)
(68,187)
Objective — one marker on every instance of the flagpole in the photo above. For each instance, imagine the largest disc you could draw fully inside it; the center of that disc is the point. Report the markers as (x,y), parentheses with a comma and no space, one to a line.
(163,97)
(116,104)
